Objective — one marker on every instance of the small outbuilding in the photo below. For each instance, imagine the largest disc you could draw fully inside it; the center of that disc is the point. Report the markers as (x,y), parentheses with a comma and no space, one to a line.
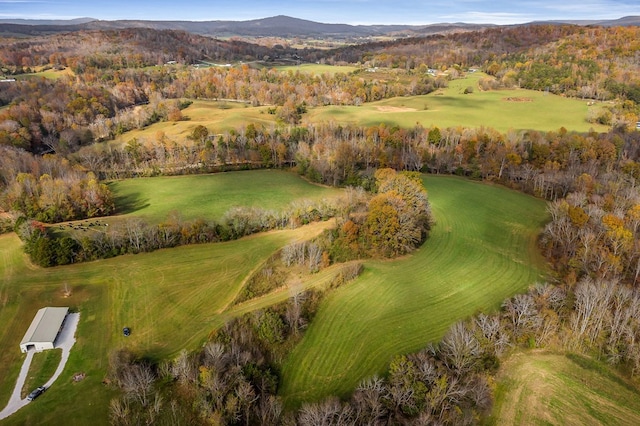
(44,329)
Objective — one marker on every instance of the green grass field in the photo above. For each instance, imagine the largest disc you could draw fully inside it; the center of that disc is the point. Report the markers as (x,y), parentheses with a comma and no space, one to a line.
(450,107)
(42,367)
(541,388)
(172,299)
(481,250)
(445,108)
(210,196)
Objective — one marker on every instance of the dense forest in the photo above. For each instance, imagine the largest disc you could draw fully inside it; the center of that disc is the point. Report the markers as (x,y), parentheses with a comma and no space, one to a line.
(54,154)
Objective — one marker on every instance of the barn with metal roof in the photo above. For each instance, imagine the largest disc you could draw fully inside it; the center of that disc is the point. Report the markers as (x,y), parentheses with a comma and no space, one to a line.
(44,329)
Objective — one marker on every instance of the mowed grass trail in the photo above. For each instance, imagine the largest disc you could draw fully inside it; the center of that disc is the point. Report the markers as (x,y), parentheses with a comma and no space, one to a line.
(503,110)
(541,388)
(171,299)
(481,250)
(210,196)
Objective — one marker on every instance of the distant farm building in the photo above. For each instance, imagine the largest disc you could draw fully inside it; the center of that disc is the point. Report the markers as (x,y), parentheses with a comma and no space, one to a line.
(44,329)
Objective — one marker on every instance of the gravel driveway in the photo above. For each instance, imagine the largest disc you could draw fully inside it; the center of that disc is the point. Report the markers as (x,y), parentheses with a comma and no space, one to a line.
(65,341)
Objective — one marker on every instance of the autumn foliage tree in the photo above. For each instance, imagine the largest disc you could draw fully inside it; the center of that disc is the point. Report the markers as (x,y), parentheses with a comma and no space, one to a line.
(399,216)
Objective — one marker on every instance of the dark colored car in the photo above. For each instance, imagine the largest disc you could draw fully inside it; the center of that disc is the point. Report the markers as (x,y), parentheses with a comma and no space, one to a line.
(36,393)
(126,331)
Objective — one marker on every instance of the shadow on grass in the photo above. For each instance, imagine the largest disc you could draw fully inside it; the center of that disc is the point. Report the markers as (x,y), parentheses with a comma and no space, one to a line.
(130,203)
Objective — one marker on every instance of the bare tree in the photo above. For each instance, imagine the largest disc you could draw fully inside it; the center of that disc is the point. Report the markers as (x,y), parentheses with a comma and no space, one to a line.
(327,413)
(368,404)
(590,308)
(314,253)
(137,381)
(459,349)
(184,368)
(119,412)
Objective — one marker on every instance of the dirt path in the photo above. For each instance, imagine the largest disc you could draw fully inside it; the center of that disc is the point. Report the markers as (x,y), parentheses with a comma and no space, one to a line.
(65,341)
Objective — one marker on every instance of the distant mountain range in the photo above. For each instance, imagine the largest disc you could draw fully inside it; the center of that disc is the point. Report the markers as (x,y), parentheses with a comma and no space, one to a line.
(277,26)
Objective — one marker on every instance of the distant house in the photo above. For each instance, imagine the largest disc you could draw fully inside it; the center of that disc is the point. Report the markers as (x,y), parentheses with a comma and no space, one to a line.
(44,329)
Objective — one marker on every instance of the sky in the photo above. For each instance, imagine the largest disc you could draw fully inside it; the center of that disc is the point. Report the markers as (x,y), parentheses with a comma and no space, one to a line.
(414,12)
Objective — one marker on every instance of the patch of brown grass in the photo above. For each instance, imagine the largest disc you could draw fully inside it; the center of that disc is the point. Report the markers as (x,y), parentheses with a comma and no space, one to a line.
(394,109)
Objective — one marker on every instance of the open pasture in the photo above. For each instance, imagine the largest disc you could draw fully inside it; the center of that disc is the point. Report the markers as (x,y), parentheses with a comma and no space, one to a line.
(50,74)
(503,110)
(481,250)
(318,69)
(542,388)
(217,116)
(170,299)
(211,196)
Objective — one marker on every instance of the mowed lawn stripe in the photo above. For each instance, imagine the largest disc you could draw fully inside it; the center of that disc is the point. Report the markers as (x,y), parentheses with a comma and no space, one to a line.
(479,252)
(171,299)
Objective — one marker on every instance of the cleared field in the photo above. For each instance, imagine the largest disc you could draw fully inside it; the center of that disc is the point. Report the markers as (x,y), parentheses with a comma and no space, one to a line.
(217,116)
(318,68)
(541,388)
(481,250)
(171,299)
(50,74)
(500,109)
(210,196)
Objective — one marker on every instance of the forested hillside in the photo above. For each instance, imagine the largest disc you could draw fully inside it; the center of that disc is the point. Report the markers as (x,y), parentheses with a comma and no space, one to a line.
(111,74)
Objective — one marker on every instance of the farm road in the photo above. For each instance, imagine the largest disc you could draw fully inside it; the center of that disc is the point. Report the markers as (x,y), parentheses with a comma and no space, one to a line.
(65,341)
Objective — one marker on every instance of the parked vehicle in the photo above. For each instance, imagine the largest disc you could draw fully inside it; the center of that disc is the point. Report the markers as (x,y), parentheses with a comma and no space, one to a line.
(36,393)
(126,331)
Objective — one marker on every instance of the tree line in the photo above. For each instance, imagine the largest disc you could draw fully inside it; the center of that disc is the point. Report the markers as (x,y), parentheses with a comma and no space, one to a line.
(594,62)
(92,240)
(65,114)
(49,188)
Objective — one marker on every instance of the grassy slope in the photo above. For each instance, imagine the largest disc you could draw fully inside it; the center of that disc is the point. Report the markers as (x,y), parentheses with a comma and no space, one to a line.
(450,107)
(541,388)
(210,196)
(171,299)
(481,250)
(445,108)
(217,116)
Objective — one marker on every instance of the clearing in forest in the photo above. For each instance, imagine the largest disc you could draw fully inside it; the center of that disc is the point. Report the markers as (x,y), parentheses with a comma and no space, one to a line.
(451,107)
(211,196)
(481,250)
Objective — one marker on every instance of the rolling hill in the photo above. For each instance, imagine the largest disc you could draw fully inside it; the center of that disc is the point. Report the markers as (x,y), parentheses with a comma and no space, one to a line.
(275,26)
